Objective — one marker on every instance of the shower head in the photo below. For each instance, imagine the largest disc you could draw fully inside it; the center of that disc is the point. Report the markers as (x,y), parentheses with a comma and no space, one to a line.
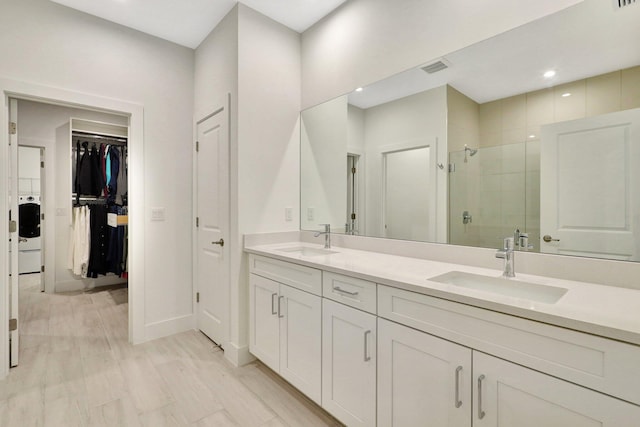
(472,152)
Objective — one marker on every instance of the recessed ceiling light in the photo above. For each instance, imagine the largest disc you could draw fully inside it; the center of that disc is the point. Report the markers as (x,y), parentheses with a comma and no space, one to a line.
(566,94)
(359,89)
(549,74)
(532,136)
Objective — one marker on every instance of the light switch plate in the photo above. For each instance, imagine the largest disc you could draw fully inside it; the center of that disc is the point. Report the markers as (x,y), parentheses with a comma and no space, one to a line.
(310,214)
(157,214)
(288,214)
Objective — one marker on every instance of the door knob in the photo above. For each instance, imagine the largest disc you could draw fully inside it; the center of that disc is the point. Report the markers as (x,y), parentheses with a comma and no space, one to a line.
(219,242)
(548,239)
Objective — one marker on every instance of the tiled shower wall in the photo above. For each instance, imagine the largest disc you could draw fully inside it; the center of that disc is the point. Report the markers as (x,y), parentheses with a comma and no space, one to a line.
(500,185)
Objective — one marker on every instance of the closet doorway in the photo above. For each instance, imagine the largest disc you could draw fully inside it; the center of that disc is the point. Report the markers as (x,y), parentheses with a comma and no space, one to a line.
(52,128)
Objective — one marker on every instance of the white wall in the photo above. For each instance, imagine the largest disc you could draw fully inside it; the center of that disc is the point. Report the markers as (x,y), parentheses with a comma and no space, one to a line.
(414,121)
(323,165)
(38,123)
(265,149)
(51,45)
(367,40)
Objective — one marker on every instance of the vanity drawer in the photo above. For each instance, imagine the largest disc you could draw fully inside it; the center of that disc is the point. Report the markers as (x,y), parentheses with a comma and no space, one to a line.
(357,293)
(598,363)
(299,276)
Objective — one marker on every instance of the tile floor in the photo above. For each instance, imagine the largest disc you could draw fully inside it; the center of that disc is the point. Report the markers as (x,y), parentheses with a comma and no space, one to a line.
(77,369)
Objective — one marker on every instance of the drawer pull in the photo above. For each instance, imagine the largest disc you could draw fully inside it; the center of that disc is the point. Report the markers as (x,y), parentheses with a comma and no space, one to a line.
(273,305)
(366,346)
(480,411)
(339,289)
(458,401)
(280,307)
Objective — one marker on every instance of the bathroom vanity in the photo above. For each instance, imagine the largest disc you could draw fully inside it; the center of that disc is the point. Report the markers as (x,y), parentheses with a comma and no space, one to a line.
(379,339)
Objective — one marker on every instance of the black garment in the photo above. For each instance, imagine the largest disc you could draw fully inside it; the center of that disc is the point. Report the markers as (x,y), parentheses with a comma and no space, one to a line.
(96,172)
(116,245)
(114,155)
(99,241)
(84,173)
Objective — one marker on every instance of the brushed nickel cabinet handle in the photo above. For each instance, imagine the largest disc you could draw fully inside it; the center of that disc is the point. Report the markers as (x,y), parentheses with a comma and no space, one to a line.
(280,307)
(339,289)
(273,308)
(458,401)
(481,413)
(366,346)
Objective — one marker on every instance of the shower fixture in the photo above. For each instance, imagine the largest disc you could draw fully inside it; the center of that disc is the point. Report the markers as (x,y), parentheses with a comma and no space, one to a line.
(472,152)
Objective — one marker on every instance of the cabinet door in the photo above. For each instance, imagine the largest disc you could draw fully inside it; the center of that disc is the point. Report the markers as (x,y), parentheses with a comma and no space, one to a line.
(349,364)
(264,333)
(422,380)
(300,340)
(509,395)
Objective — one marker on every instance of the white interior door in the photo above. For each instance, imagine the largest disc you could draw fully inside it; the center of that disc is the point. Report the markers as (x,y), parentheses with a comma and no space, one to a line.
(213,225)
(590,186)
(409,195)
(43,205)
(14,335)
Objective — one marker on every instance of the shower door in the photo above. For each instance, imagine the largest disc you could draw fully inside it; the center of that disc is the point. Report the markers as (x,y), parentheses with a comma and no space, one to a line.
(590,186)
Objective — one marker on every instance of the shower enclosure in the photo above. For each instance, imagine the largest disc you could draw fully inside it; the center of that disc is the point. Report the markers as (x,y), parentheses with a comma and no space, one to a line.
(494,191)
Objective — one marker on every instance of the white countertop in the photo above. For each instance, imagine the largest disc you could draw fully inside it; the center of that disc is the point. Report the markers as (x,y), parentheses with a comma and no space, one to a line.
(606,311)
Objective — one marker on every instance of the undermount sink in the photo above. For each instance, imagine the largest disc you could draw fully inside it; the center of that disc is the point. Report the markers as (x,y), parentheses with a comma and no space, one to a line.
(498,285)
(307,251)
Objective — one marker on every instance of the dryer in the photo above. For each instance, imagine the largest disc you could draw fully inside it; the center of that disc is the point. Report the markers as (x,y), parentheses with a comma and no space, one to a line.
(30,241)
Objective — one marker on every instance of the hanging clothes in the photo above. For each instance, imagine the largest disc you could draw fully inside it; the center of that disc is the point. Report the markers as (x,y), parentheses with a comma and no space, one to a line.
(84,173)
(116,242)
(99,241)
(80,241)
(114,161)
(96,174)
(102,153)
(121,192)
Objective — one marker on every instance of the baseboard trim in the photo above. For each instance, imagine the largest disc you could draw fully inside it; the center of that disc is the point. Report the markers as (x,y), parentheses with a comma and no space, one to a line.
(238,355)
(85,284)
(168,327)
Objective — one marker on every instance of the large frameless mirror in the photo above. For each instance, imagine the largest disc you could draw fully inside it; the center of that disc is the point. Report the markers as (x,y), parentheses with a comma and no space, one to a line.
(533,133)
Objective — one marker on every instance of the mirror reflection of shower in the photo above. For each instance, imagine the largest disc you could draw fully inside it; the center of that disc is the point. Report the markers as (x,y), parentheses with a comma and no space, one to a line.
(471,151)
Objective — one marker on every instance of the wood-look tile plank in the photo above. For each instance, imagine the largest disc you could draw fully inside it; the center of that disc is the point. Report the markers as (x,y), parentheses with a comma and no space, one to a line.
(120,413)
(291,406)
(239,401)
(63,412)
(63,376)
(167,416)
(218,419)
(89,333)
(193,397)
(147,388)
(103,379)
(25,409)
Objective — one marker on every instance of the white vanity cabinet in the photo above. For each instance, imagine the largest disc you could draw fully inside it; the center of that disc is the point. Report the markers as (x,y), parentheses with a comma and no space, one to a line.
(286,329)
(553,384)
(509,395)
(422,379)
(349,364)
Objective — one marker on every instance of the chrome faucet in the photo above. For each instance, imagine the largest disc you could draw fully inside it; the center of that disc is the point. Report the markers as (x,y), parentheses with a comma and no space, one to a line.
(508,255)
(327,235)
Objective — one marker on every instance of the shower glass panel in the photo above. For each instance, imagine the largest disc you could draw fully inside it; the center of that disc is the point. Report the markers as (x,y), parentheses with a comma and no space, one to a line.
(493,193)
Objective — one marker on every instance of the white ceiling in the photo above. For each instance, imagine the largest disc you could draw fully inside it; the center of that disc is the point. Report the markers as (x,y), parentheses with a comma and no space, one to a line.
(188,22)
(585,40)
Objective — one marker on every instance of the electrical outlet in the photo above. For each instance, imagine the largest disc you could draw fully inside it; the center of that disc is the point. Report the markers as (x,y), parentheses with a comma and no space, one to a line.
(310,214)
(157,214)
(288,214)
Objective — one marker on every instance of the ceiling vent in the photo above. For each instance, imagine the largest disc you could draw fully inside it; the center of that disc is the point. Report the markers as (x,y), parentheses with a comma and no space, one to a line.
(436,66)
(622,3)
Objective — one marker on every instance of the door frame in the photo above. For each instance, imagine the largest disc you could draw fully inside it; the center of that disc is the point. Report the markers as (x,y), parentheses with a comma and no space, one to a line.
(434,220)
(44,204)
(225,103)
(135,112)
